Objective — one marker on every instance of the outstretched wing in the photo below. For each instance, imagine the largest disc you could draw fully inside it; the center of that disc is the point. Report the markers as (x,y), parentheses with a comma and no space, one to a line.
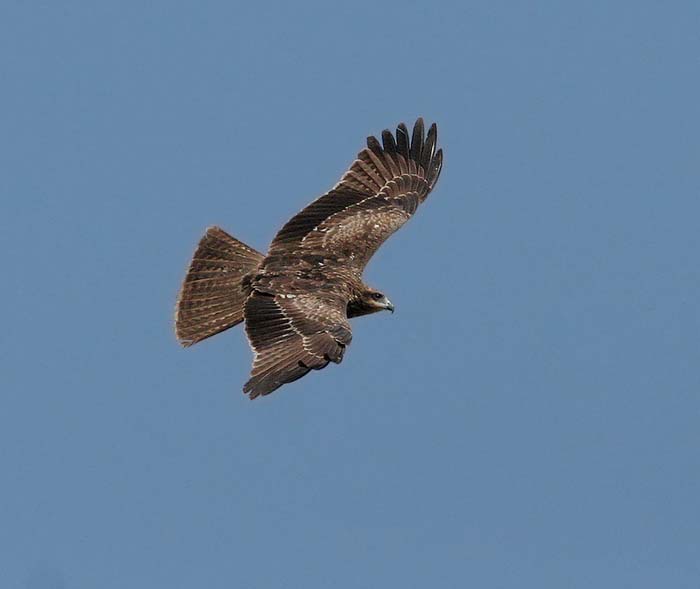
(291,335)
(377,195)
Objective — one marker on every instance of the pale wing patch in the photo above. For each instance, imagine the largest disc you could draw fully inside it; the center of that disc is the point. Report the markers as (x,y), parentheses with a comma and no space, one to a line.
(358,234)
(369,226)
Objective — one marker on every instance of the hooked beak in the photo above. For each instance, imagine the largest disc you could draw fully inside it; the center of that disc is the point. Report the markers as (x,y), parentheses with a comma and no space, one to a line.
(389,306)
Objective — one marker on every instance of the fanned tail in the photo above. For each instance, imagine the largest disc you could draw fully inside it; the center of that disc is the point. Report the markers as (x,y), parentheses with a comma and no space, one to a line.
(213,294)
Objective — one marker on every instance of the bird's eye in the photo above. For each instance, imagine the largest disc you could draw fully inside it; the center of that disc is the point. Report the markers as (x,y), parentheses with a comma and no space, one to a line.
(377,295)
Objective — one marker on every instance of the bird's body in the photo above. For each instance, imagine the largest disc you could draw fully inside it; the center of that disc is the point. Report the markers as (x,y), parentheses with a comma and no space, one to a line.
(297,299)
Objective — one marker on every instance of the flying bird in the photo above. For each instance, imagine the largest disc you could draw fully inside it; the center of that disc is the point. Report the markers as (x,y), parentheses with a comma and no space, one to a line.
(297,299)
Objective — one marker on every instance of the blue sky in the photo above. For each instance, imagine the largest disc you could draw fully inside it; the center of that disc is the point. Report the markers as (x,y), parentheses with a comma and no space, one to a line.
(529,415)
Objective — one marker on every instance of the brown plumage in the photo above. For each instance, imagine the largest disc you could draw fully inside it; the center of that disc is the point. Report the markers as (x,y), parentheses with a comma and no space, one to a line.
(297,299)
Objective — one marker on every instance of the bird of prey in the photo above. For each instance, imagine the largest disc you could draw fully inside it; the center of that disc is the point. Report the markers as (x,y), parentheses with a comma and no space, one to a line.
(297,299)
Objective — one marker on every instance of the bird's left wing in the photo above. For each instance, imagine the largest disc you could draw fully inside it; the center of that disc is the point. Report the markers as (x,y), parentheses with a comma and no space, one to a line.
(377,195)
(291,335)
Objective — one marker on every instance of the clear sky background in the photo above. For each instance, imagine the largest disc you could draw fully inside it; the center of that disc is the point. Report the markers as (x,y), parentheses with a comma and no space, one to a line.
(530,415)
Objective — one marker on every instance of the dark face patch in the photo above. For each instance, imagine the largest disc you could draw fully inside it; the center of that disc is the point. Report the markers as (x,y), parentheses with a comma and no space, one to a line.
(359,307)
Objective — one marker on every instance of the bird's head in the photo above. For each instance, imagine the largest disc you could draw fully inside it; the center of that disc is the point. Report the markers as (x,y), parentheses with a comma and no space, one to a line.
(369,301)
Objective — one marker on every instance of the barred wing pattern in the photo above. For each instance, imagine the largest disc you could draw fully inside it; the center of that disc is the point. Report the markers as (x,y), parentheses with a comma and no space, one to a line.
(375,197)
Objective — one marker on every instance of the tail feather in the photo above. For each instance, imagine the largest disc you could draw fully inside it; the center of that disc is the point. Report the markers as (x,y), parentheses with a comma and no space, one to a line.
(213,294)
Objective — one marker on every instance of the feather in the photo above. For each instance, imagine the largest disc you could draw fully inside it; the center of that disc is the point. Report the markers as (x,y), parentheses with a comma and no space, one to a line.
(417,141)
(428,148)
(375,146)
(402,142)
(389,142)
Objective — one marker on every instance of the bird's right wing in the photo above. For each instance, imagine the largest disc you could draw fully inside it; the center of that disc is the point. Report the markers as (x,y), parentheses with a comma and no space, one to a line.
(291,335)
